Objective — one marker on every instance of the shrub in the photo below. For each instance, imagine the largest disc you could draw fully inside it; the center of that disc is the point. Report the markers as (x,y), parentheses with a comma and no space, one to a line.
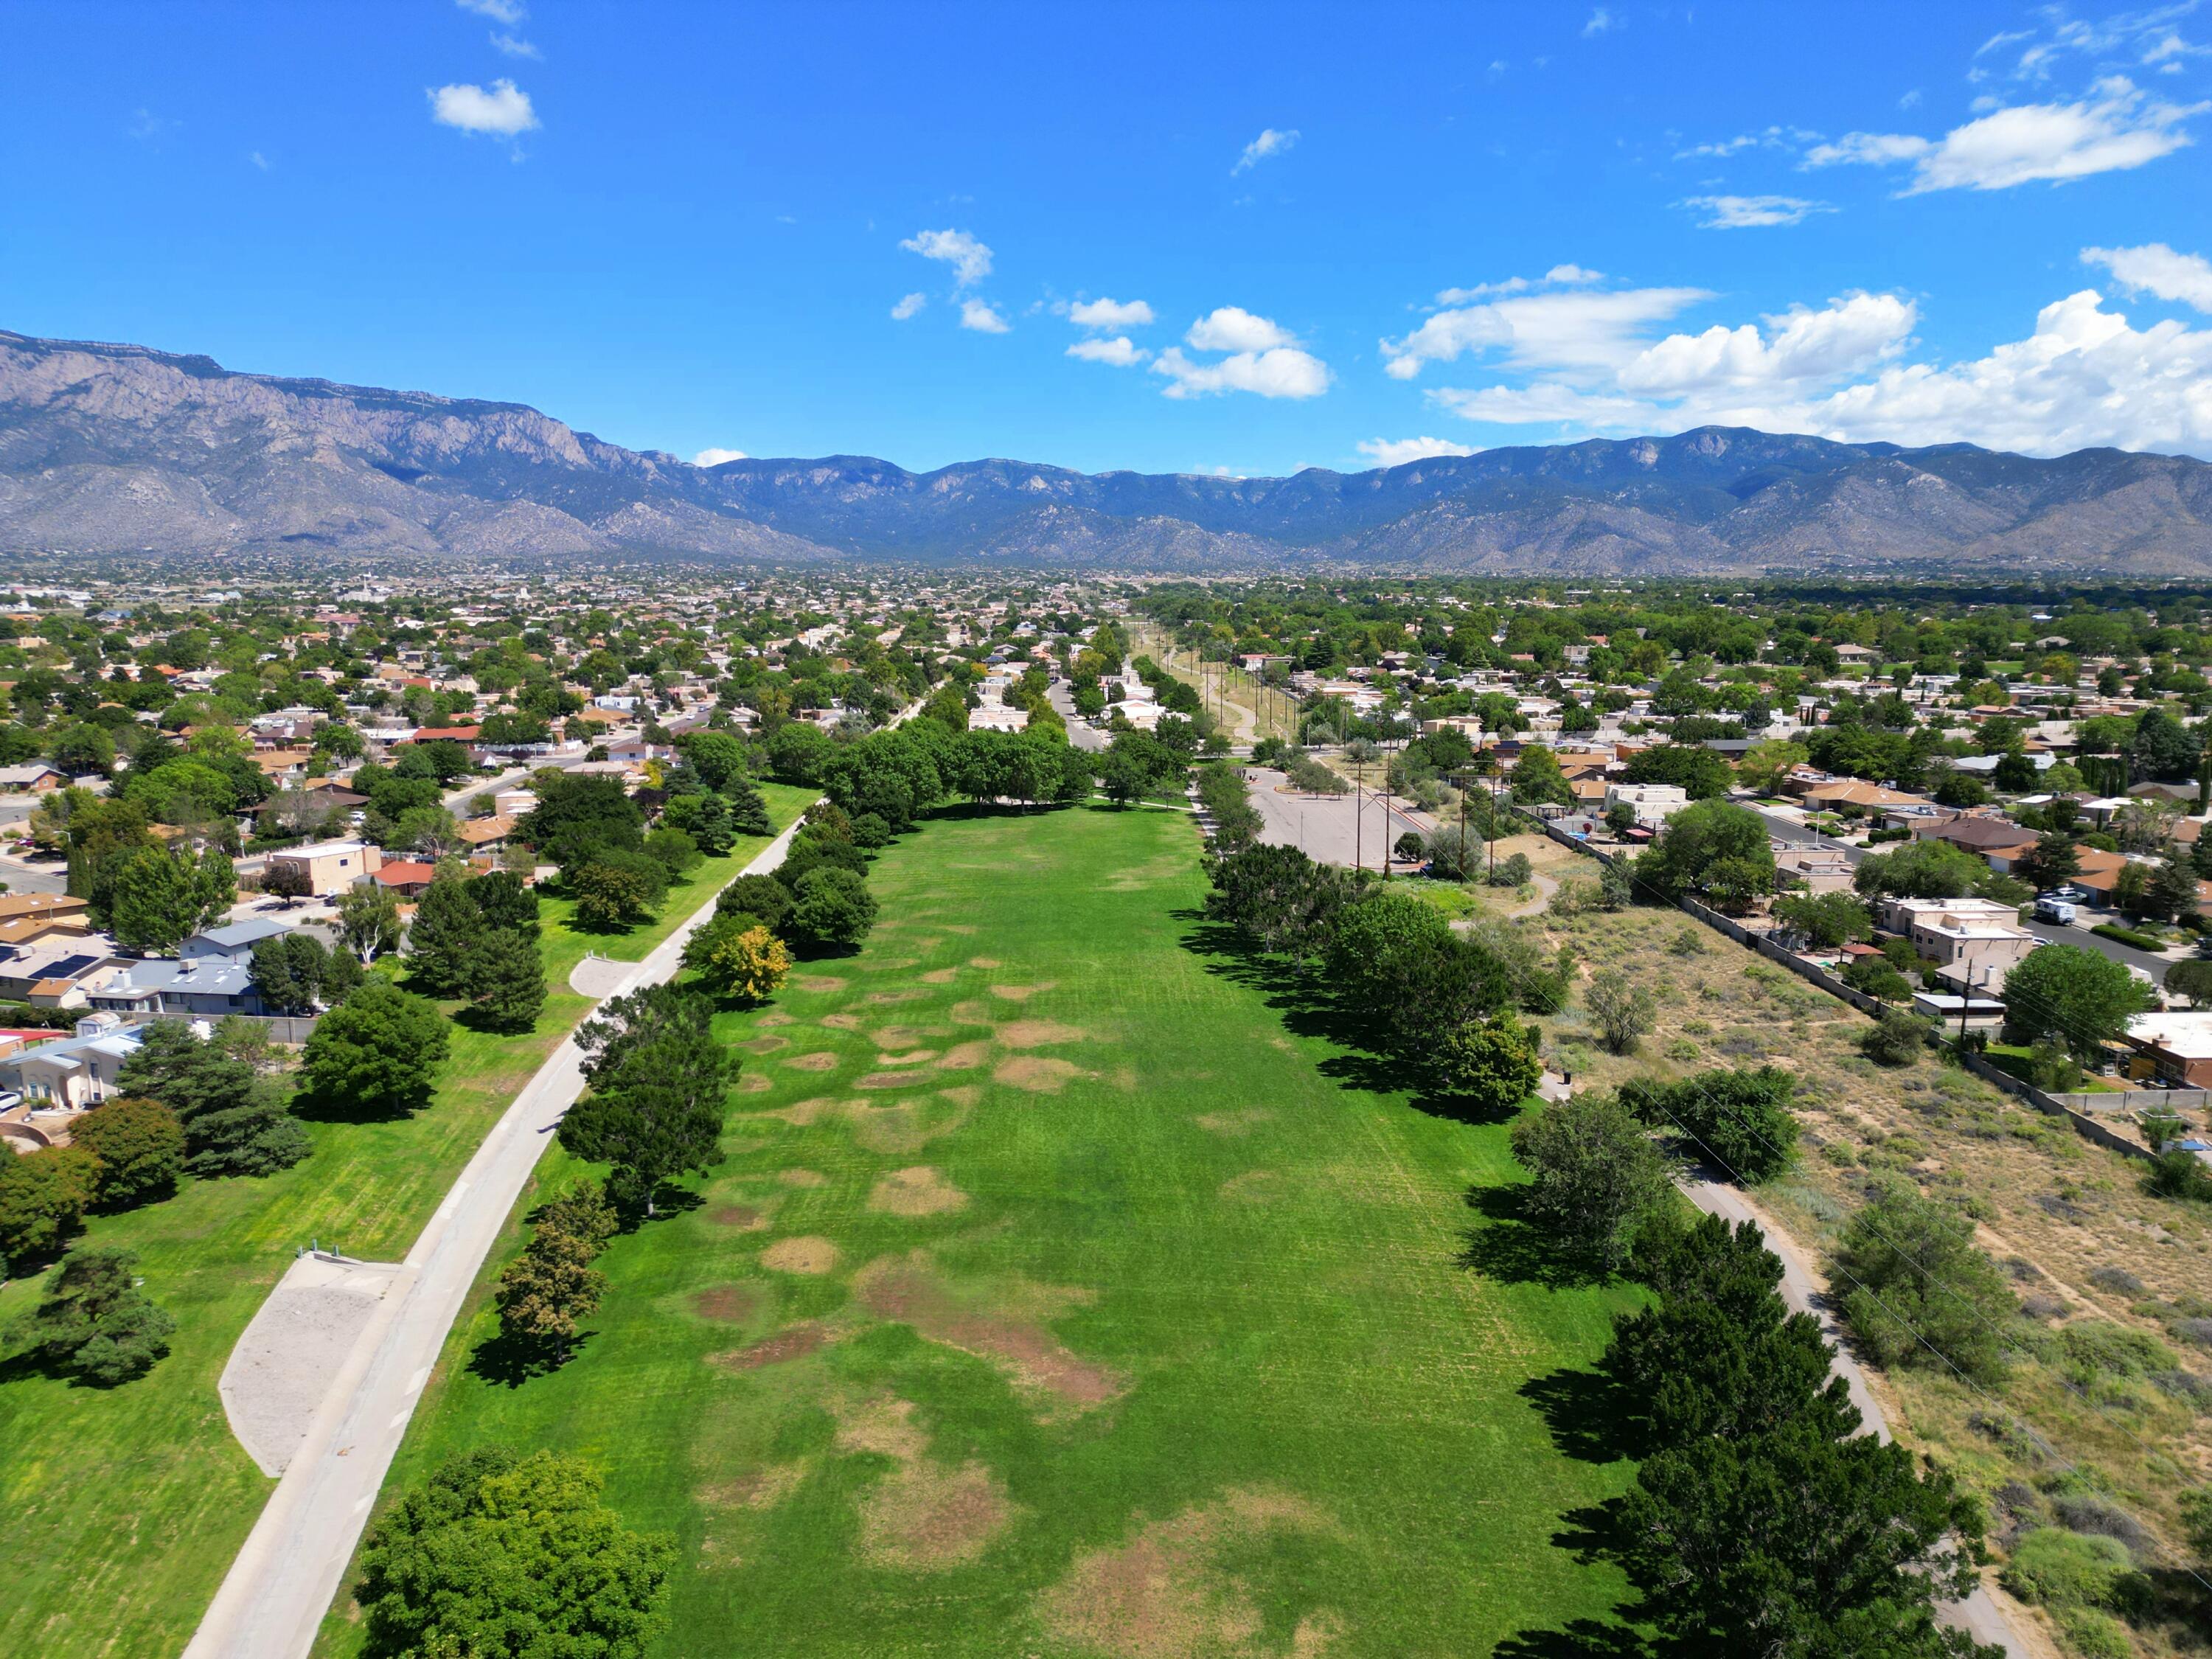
(1740,1120)
(1920,1283)
(2061,1568)
(1897,1038)
(1513,871)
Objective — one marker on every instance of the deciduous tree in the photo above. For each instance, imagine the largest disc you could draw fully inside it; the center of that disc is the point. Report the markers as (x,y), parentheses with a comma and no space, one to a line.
(140,1147)
(378,1052)
(1597,1176)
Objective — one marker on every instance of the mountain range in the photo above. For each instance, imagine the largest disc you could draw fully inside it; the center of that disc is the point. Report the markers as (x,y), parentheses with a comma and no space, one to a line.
(122,450)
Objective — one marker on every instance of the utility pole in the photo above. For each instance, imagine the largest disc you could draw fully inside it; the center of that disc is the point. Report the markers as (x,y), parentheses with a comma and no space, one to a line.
(1358,817)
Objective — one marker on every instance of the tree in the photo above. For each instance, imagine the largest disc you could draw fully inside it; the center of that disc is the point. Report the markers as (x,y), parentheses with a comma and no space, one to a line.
(2051,862)
(443,941)
(161,898)
(288,880)
(617,888)
(1400,966)
(1920,869)
(369,920)
(1537,779)
(658,1082)
(673,850)
(2191,978)
(1698,772)
(505,902)
(289,970)
(797,753)
(94,1322)
(578,815)
(1766,764)
(748,811)
(1277,898)
(832,909)
(1920,1283)
(234,1119)
(43,1198)
(1624,1012)
(1896,1038)
(705,819)
(1705,839)
(493,1555)
(2074,995)
(737,955)
(1828,920)
(431,831)
(140,1148)
(1490,1067)
(2172,891)
(1123,776)
(1740,1120)
(507,980)
(2163,747)
(763,896)
(378,1052)
(1598,1178)
(544,1292)
(718,757)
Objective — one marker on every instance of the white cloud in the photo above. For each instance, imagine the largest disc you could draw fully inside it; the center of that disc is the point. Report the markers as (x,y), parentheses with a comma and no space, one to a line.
(1232,328)
(716,457)
(2115,129)
(502,108)
(1269,142)
(509,12)
(1850,336)
(970,259)
(2157,269)
(909,306)
(1748,212)
(1576,329)
(1601,21)
(1279,372)
(258,159)
(1556,277)
(1396,451)
(1120,351)
(979,315)
(1110,313)
(514,46)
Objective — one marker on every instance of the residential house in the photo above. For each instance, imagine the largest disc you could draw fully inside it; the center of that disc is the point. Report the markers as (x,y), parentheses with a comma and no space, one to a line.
(37,777)
(76,1072)
(56,971)
(1999,841)
(2175,1049)
(1822,869)
(1842,794)
(406,878)
(172,988)
(331,867)
(25,918)
(1975,942)
(1652,803)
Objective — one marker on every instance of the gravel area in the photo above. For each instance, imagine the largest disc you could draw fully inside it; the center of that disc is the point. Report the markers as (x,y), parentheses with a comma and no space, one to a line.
(283,1363)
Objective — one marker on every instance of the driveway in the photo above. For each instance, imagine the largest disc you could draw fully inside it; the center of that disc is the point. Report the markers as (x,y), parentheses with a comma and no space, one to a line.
(283,1580)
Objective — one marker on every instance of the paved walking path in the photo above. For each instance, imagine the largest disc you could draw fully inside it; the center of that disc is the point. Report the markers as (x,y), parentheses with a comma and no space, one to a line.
(284,1579)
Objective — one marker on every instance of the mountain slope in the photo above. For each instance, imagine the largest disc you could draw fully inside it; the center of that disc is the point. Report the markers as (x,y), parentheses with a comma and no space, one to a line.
(121,449)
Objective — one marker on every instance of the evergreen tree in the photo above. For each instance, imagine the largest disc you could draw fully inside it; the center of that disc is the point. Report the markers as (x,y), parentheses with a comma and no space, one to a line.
(378,1051)
(234,1119)
(544,1292)
(507,985)
(658,1082)
(442,942)
(93,1322)
(504,902)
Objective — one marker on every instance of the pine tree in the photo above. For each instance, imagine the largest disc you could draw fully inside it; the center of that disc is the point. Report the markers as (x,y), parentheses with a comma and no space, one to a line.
(507,980)
(442,944)
(748,812)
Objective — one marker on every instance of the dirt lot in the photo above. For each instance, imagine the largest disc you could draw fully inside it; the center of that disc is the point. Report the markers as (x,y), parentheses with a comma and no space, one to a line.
(2068,1219)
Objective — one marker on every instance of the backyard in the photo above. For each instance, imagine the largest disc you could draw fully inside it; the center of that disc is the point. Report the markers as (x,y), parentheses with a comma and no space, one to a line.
(1063,1294)
(131,1501)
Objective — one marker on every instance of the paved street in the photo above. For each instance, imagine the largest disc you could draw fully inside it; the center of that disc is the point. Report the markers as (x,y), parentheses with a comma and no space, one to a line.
(1079,732)
(285,1577)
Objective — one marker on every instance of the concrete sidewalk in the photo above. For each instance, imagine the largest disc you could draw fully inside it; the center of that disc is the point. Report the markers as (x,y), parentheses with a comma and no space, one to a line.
(273,1599)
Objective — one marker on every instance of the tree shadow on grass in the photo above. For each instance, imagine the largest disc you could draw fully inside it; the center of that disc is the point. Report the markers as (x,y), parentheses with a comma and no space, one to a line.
(324,1108)
(1585,1638)
(509,1362)
(1506,1245)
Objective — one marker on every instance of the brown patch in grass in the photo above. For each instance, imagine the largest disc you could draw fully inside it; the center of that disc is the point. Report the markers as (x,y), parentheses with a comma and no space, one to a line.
(806,1254)
(926,1517)
(825,1061)
(754,1083)
(800,1114)
(745,1218)
(916,1192)
(916,1057)
(883,997)
(819,982)
(1019,993)
(940,976)
(898,1036)
(731,1304)
(909,1290)
(840,1022)
(962,1094)
(985,962)
(1236,1125)
(1037,1033)
(962,927)
(1166,1592)
(793,1342)
(1253,1187)
(804,1178)
(765,1045)
(961,1055)
(1123,1077)
(891,1079)
(889,964)
(973,1012)
(904,1128)
(762,1489)
(1035,1072)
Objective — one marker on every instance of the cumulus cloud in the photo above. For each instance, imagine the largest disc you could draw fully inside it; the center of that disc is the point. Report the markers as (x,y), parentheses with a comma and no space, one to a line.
(2115,128)
(1601,21)
(1121,351)
(2156,268)
(908,306)
(1576,328)
(1280,372)
(1110,313)
(1397,452)
(1232,328)
(980,316)
(1269,142)
(1750,212)
(716,457)
(970,259)
(501,109)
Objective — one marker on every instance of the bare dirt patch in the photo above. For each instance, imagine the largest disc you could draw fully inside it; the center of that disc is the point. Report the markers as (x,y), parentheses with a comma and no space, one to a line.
(1235,1125)
(801,1113)
(807,1253)
(891,1080)
(793,1342)
(765,1045)
(898,1036)
(1037,1073)
(940,976)
(825,1061)
(1253,1187)
(840,1022)
(774,1017)
(926,1517)
(914,1057)
(1003,1323)
(804,1178)
(1019,993)
(916,1192)
(963,1055)
(985,962)
(744,1218)
(754,1082)
(974,1011)
(730,1304)
(1167,1593)
(819,982)
(1037,1033)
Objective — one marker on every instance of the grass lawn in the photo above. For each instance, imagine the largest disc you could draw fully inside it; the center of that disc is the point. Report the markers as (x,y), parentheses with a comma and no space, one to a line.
(1062,1294)
(2017,1060)
(126,1505)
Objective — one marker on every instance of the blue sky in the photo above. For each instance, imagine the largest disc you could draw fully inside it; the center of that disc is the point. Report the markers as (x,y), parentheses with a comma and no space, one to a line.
(1326,233)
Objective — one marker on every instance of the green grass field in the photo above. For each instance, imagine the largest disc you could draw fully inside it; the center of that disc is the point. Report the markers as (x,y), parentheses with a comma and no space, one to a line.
(1057,1297)
(126,1505)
